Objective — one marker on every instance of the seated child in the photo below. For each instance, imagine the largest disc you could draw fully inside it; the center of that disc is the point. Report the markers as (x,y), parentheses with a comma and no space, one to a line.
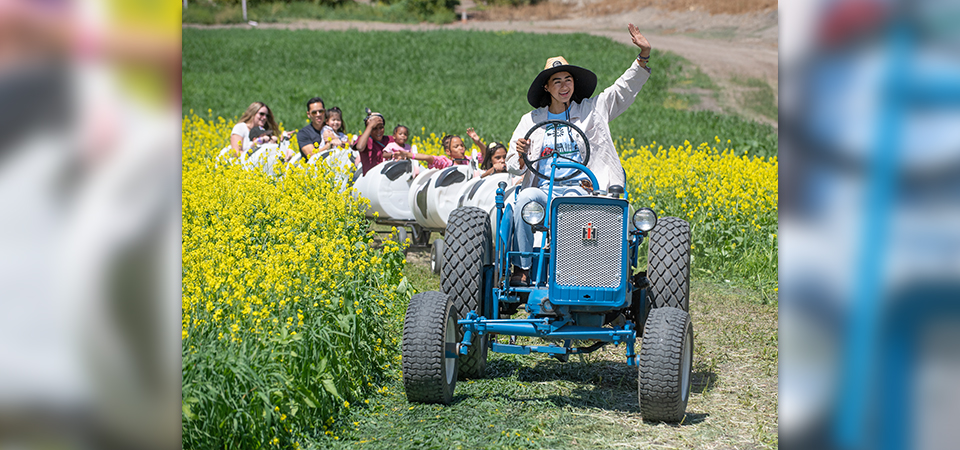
(333,129)
(256,131)
(372,141)
(487,154)
(400,136)
(264,137)
(494,159)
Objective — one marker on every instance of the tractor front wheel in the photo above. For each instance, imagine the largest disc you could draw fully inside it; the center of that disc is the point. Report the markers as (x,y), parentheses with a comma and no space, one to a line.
(429,349)
(666,362)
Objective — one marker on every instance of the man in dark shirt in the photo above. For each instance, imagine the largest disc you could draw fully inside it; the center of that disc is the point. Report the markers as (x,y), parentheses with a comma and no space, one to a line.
(309,138)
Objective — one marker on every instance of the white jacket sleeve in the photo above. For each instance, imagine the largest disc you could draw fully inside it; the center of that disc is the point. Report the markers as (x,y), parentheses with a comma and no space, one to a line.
(615,99)
(513,157)
(513,163)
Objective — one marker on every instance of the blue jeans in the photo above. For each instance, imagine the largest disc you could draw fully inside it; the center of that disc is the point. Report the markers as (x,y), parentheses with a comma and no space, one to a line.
(524,232)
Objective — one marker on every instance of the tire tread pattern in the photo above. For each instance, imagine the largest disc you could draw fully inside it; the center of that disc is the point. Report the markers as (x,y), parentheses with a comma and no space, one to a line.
(659,386)
(423,352)
(668,264)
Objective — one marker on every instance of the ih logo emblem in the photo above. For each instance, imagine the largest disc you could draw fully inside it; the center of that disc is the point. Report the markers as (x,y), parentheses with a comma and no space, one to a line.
(589,233)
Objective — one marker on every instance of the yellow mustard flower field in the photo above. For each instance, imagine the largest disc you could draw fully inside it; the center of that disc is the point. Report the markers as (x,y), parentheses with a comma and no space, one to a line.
(288,314)
(729,200)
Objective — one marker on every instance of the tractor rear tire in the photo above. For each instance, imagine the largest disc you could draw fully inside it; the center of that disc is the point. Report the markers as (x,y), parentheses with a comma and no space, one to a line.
(429,333)
(668,264)
(666,363)
(469,246)
(436,256)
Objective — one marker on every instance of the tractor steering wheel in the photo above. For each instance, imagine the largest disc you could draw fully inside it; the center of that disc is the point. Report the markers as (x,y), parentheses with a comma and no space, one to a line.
(584,152)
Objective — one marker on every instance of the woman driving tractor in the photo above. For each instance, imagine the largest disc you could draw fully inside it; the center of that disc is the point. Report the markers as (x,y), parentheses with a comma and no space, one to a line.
(564,92)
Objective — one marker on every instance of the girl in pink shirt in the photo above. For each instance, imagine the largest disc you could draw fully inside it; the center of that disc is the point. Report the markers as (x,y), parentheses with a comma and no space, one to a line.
(400,135)
(452,146)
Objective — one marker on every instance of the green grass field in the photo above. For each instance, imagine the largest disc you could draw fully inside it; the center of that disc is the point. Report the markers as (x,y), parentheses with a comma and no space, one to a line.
(441,81)
(221,13)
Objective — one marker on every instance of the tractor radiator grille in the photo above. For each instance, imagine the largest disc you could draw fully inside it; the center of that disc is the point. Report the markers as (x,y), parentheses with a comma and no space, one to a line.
(586,262)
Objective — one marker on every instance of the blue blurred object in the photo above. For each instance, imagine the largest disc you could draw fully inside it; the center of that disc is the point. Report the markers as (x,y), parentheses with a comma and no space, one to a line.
(870,228)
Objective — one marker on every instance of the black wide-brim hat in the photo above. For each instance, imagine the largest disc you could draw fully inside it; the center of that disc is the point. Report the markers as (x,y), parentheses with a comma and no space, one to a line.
(584,82)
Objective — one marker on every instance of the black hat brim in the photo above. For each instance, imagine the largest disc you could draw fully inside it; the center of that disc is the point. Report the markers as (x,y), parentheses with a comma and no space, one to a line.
(584,83)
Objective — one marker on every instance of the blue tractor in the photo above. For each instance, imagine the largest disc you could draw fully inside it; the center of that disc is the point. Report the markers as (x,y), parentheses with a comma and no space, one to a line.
(584,288)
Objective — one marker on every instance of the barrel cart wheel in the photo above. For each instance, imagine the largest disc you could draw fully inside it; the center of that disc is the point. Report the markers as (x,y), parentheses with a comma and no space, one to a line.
(421,236)
(436,256)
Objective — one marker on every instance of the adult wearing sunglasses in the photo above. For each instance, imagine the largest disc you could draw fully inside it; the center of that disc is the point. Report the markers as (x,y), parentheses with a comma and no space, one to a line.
(309,138)
(258,118)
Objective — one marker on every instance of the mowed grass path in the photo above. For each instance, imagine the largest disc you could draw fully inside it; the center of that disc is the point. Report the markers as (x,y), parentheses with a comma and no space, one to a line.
(440,81)
(535,401)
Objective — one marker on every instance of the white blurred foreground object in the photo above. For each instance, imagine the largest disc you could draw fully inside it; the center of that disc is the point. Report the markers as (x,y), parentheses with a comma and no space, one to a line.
(90,234)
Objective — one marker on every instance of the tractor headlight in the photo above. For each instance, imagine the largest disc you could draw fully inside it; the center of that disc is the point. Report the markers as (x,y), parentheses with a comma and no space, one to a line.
(532,213)
(644,219)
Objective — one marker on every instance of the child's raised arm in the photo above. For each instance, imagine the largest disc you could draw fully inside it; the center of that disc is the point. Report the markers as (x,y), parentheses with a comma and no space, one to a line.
(476,139)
